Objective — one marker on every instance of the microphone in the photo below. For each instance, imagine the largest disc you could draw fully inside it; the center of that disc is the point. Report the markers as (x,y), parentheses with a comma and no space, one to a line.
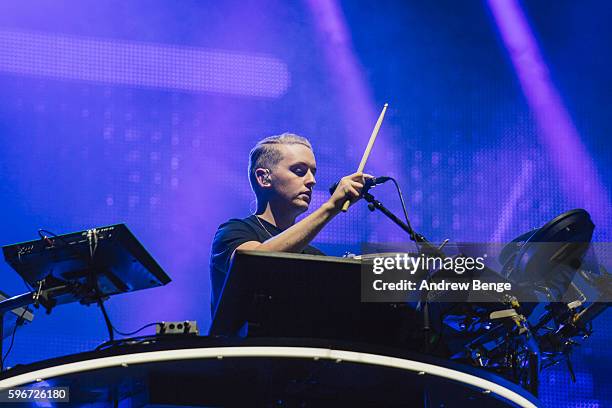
(369,183)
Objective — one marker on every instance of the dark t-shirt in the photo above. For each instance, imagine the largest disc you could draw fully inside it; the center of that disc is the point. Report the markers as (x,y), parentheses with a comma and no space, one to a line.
(230,236)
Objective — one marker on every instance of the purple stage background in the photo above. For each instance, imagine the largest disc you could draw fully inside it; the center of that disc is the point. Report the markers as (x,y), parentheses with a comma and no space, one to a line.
(114,112)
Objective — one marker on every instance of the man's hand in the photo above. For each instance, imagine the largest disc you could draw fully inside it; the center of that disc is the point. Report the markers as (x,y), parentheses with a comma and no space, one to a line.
(349,188)
(296,237)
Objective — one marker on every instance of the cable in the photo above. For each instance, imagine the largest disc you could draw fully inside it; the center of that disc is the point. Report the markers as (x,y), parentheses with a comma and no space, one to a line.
(43,237)
(401,197)
(416,239)
(109,325)
(17,323)
(111,329)
(137,331)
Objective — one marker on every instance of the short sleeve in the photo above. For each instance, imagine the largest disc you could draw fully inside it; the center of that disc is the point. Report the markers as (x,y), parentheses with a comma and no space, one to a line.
(229,236)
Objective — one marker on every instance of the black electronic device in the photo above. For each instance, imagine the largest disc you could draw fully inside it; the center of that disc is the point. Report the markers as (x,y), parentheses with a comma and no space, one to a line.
(111,256)
(295,295)
(86,266)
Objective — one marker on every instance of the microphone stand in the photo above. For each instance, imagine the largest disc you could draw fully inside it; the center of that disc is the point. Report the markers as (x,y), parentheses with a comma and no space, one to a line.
(424,246)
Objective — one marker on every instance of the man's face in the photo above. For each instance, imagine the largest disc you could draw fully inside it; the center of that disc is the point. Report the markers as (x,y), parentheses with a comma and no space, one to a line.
(294,177)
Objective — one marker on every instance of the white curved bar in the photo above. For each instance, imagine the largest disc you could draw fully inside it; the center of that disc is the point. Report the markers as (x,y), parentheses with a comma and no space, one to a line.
(267,351)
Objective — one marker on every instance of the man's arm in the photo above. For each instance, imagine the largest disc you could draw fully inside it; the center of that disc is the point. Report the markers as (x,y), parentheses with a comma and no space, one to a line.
(299,235)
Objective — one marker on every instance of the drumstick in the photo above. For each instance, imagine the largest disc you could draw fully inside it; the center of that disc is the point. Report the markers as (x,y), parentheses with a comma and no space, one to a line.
(368,149)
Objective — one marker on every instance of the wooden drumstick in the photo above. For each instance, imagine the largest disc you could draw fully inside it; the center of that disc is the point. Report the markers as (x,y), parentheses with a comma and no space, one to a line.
(368,149)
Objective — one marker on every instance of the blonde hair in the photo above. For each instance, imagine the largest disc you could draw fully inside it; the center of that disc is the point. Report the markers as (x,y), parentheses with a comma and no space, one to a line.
(266,154)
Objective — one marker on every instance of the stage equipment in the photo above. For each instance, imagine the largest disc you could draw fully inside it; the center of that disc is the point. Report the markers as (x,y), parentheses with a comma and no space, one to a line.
(85,267)
(184,327)
(509,336)
(213,371)
(269,294)
(527,337)
(12,318)
(557,248)
(368,149)
(513,335)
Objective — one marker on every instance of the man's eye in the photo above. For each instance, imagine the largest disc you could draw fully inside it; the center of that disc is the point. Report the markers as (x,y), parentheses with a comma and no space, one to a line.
(299,171)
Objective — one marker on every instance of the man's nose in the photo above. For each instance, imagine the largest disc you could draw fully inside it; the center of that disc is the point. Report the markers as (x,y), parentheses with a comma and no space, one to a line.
(310,179)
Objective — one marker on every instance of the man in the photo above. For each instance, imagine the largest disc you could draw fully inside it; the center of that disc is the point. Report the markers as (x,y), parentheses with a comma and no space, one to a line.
(282,175)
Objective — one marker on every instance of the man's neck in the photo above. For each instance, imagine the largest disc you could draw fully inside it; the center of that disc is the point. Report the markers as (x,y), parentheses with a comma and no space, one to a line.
(277,217)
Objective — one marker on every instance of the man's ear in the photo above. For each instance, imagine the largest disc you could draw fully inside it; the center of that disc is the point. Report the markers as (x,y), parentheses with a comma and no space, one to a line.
(263,177)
